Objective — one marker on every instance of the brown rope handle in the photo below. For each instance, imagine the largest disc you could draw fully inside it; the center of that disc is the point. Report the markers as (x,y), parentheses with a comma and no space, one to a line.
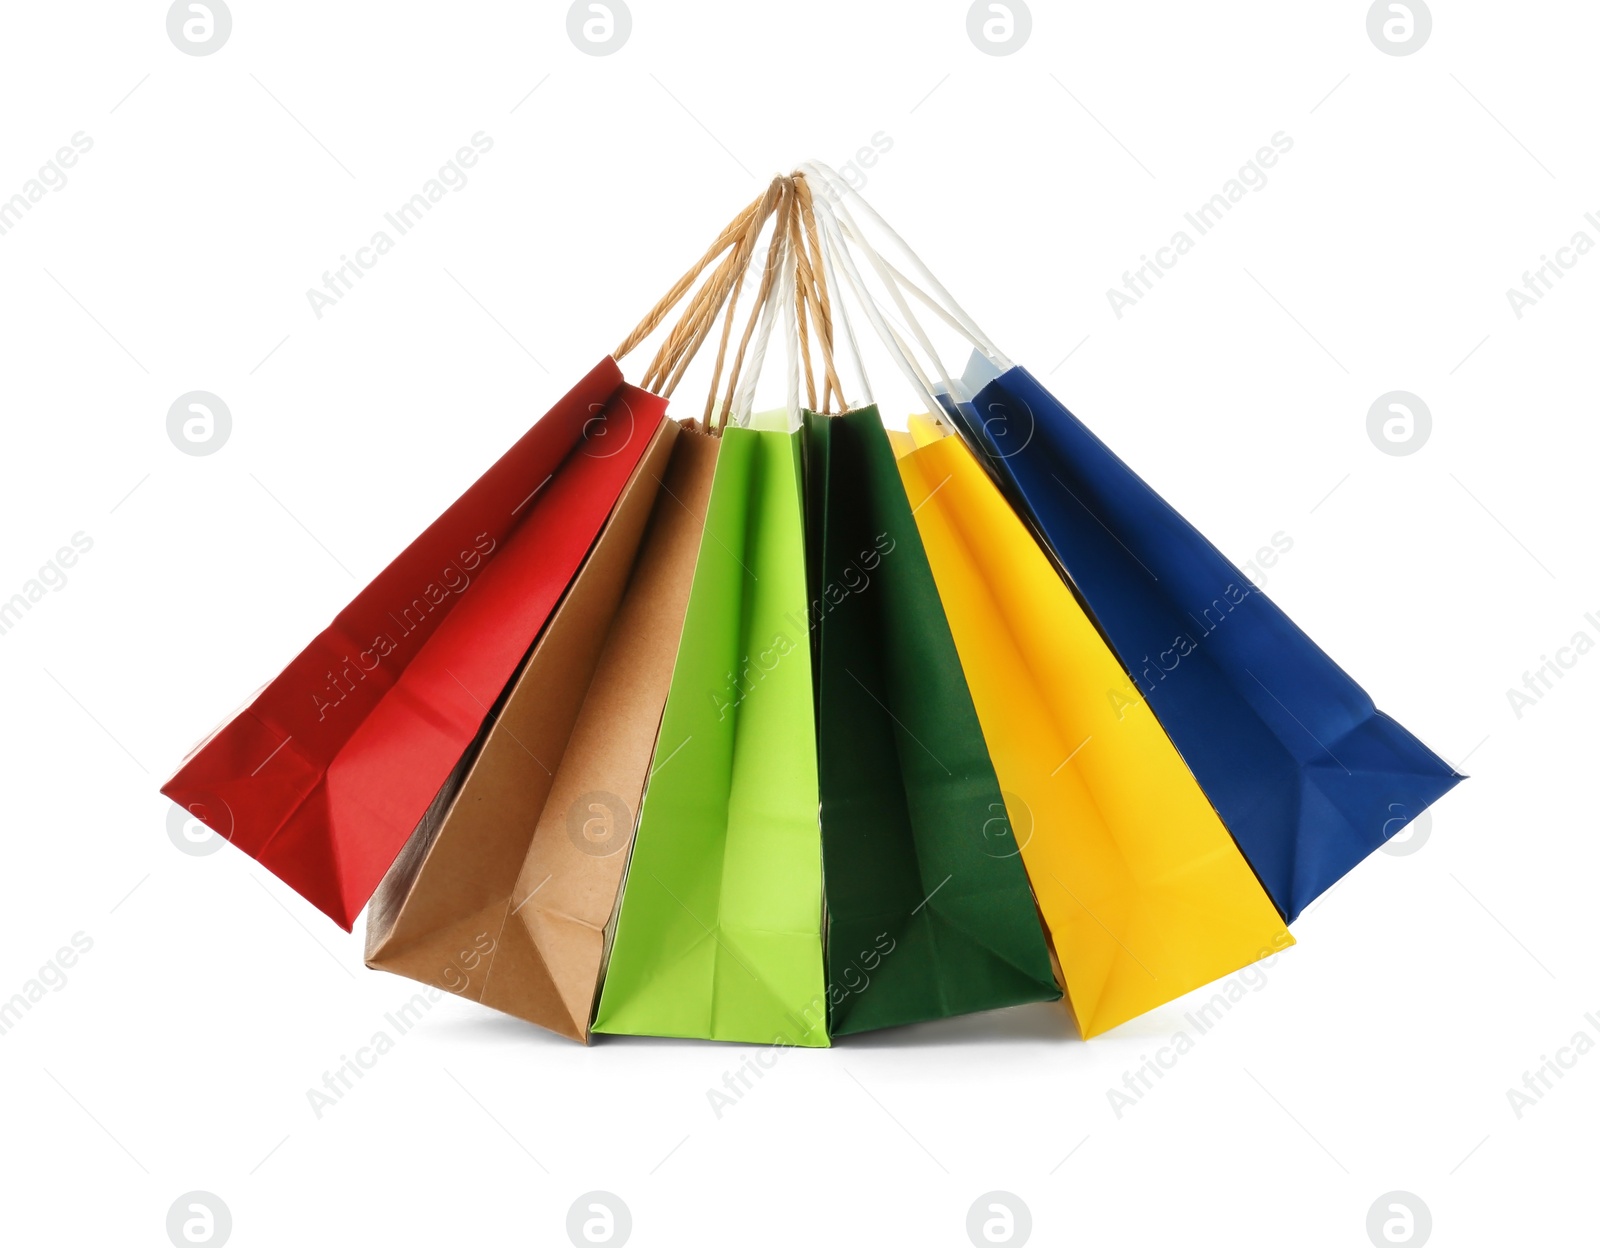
(812,281)
(686,337)
(818,295)
(681,342)
(722,348)
(796,225)
(797,255)
(697,322)
(734,244)
(774,249)
(789,199)
(731,233)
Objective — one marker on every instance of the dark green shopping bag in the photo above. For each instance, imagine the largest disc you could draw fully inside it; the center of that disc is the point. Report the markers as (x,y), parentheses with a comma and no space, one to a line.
(929,909)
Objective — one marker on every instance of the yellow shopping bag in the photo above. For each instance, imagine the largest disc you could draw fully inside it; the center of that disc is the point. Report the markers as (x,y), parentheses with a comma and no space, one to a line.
(1143,891)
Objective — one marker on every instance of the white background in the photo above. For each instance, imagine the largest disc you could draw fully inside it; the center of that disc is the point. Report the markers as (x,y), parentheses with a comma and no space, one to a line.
(1378,1054)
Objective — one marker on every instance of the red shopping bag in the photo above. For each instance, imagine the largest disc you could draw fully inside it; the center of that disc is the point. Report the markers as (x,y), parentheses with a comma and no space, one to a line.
(324,775)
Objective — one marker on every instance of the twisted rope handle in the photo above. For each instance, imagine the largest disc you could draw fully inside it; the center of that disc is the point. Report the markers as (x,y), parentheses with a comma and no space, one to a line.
(796,252)
(763,294)
(793,252)
(733,244)
(731,232)
(686,339)
(812,297)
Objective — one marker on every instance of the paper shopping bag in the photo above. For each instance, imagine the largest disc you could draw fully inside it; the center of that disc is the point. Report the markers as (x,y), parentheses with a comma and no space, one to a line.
(1307,774)
(929,910)
(1145,895)
(506,896)
(324,775)
(719,932)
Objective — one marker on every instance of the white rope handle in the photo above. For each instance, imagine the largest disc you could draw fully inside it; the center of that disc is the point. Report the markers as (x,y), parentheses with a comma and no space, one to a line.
(744,400)
(886,271)
(950,311)
(840,304)
(843,263)
(847,225)
(955,315)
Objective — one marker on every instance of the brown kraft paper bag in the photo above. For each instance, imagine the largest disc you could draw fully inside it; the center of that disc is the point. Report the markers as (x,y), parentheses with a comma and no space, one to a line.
(507,890)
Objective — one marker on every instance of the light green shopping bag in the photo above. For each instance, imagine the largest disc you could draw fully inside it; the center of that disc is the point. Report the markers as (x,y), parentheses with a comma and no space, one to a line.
(719,932)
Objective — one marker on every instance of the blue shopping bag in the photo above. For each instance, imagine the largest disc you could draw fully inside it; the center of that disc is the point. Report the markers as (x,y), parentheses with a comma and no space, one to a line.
(1308,775)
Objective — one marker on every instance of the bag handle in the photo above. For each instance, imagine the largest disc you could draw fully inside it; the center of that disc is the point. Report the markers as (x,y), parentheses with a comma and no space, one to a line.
(840,256)
(790,287)
(808,264)
(812,275)
(797,280)
(881,319)
(780,191)
(776,292)
(823,262)
(729,235)
(698,321)
(948,310)
(733,244)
